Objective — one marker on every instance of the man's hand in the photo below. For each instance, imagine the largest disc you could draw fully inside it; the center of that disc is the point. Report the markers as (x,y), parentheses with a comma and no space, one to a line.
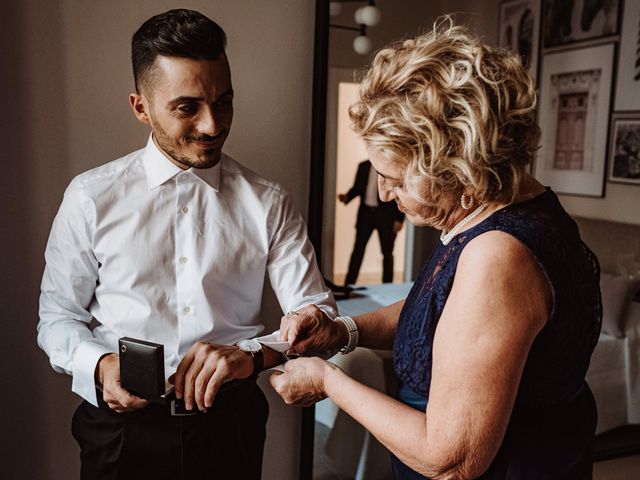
(343,198)
(310,331)
(203,370)
(397,226)
(303,381)
(118,399)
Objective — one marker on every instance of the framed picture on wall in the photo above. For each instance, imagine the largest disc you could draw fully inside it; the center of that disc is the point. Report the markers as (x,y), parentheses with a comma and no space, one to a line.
(574,112)
(568,21)
(628,83)
(519,30)
(624,148)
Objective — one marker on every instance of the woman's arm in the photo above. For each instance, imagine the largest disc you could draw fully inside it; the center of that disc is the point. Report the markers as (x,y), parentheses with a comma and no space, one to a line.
(310,331)
(377,329)
(499,301)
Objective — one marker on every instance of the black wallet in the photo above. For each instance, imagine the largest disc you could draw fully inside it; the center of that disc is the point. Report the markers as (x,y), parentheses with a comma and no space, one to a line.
(142,368)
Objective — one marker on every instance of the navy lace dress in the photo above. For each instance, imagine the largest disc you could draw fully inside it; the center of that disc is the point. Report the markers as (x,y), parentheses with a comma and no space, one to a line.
(551,429)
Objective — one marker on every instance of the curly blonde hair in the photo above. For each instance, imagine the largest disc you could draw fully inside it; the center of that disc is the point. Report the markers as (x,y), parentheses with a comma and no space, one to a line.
(456,114)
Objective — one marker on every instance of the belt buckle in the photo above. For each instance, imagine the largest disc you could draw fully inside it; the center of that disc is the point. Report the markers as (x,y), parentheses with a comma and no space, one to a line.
(178,410)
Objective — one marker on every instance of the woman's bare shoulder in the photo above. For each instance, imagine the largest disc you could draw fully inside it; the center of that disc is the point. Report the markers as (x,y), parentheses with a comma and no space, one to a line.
(498,261)
(496,249)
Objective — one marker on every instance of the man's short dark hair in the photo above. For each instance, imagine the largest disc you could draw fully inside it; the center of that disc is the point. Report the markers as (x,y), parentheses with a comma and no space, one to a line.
(175,33)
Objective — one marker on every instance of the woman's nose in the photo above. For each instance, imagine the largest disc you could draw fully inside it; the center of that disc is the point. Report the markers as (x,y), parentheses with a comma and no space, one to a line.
(386,193)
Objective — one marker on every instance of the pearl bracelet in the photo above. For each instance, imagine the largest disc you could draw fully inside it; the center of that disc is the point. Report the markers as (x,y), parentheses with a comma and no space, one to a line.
(352,330)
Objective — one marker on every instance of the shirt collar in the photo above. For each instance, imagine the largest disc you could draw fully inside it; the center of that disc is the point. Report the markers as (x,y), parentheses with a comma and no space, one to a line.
(159,168)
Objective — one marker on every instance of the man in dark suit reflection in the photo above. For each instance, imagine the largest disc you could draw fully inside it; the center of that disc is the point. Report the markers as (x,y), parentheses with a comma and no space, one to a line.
(373,214)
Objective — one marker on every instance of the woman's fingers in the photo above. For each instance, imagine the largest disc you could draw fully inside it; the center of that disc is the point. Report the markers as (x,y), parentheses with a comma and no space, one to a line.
(307,330)
(301,384)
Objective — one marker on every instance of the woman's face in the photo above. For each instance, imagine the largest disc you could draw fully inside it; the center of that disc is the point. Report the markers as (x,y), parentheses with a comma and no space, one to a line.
(391,187)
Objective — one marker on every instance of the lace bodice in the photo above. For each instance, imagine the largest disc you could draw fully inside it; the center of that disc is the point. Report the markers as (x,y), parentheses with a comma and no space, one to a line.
(560,354)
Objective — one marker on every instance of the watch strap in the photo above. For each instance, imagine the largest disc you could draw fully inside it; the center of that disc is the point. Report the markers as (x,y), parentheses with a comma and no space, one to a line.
(258,362)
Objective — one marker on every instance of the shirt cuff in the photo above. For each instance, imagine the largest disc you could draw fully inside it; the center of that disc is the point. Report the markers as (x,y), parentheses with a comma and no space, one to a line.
(329,311)
(274,342)
(85,359)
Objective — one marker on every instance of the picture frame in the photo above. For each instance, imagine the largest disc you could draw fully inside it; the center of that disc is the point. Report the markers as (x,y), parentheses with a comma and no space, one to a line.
(574,108)
(569,22)
(624,148)
(519,31)
(628,76)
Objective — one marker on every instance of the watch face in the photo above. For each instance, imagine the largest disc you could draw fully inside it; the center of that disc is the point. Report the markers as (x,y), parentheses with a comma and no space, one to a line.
(250,345)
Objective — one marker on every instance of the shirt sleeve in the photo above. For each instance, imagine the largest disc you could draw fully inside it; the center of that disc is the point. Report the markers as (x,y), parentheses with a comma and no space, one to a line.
(292,267)
(67,289)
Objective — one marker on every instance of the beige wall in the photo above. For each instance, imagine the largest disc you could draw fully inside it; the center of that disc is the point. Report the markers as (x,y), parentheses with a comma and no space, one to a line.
(65,76)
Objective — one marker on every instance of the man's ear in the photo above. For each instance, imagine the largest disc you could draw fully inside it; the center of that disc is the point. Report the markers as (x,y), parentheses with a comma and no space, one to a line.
(140,107)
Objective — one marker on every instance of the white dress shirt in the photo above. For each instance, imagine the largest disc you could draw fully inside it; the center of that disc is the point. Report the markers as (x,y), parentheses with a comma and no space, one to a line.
(151,251)
(371,193)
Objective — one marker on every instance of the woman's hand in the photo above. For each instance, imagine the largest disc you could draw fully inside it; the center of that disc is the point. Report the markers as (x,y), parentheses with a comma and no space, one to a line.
(311,332)
(303,381)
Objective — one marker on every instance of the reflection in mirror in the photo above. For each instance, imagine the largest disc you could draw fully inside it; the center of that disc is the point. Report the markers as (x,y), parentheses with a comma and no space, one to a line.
(344,151)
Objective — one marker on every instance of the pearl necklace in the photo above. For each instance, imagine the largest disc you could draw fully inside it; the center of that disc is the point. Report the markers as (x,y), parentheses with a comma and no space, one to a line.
(445,238)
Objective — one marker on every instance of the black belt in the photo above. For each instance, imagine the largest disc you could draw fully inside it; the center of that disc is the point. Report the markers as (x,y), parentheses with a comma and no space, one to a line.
(226,394)
(225,398)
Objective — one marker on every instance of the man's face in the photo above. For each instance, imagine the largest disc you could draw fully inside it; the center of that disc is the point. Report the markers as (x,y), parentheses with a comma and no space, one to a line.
(189,105)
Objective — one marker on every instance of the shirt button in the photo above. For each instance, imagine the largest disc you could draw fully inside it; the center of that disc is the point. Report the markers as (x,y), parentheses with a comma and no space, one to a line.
(184,259)
(186,310)
(184,210)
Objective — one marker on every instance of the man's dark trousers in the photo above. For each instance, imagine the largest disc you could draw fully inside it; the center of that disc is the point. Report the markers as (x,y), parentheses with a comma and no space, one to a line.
(226,442)
(370,219)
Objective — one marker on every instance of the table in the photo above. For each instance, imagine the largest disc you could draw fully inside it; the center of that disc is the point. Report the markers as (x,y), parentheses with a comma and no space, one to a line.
(353,451)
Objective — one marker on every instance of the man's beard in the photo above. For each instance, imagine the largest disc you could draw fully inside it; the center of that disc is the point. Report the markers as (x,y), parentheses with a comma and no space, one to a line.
(168,145)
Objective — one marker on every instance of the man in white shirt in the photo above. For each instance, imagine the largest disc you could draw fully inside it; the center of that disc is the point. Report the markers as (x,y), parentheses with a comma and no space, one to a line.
(171,244)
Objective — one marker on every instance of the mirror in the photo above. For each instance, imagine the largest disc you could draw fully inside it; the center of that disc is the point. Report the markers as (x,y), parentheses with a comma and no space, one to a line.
(342,66)
(344,151)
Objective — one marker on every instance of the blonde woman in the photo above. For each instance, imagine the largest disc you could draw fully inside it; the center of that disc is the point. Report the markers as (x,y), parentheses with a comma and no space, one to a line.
(492,344)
